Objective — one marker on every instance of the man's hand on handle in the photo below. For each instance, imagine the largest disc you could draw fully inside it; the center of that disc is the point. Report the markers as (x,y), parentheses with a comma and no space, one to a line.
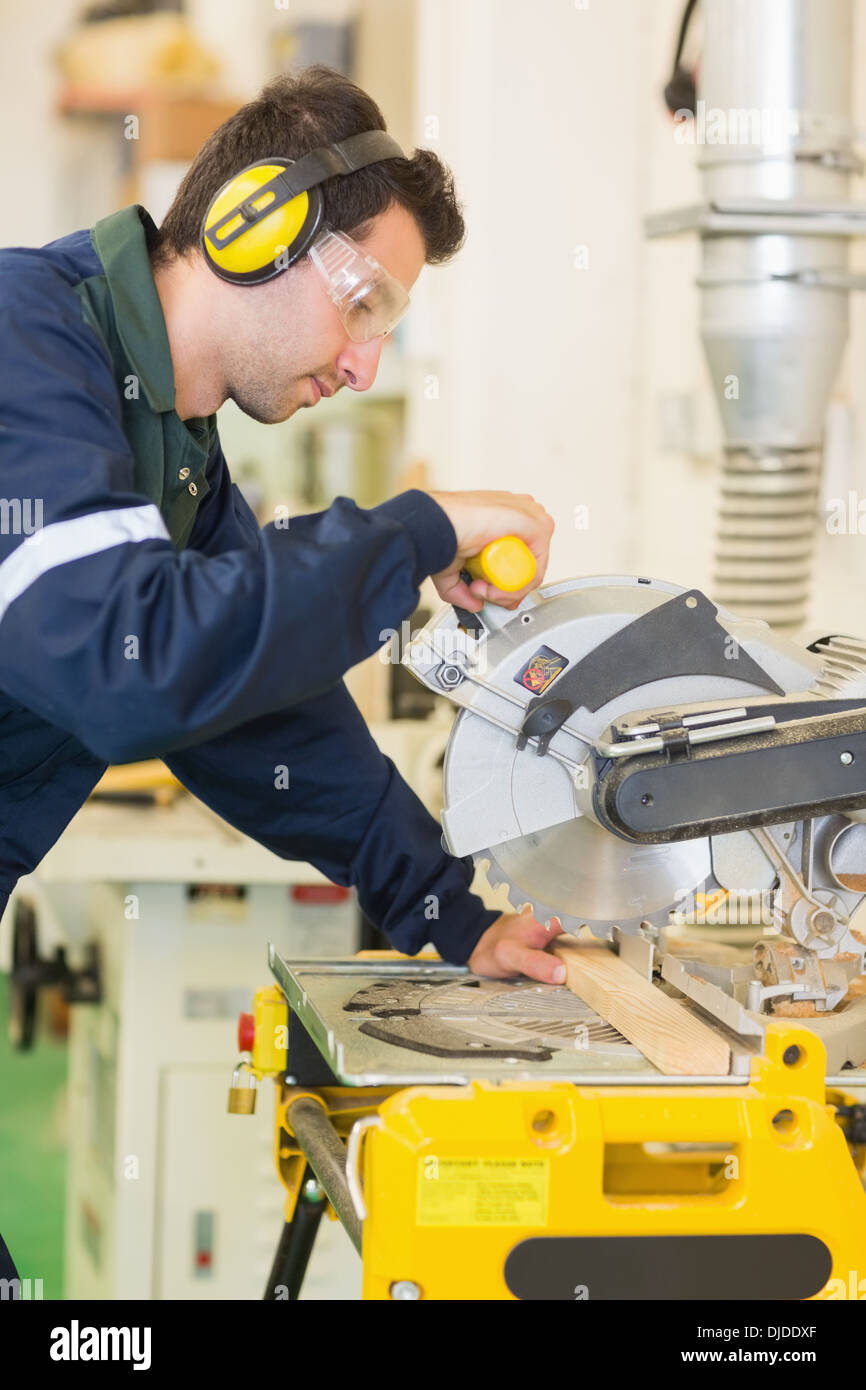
(515,945)
(479,518)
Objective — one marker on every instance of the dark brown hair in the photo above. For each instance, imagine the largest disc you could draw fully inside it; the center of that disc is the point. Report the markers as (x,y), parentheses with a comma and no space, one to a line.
(296,113)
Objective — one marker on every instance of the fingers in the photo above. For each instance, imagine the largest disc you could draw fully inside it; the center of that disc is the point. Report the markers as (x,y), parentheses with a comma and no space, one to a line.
(503,598)
(536,525)
(518,959)
(472,596)
(515,945)
(535,528)
(522,949)
(481,517)
(452,589)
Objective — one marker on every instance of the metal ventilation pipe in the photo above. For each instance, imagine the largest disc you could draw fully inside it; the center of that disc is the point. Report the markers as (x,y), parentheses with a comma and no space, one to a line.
(774,137)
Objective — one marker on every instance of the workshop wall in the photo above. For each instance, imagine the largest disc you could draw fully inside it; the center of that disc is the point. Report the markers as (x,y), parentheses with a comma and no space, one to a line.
(532,340)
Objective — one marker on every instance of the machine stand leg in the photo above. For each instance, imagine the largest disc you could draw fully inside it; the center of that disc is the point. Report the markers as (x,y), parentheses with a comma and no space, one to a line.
(296,1242)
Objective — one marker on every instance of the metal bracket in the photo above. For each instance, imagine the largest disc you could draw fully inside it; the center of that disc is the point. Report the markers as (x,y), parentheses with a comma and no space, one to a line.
(353,1161)
(636,950)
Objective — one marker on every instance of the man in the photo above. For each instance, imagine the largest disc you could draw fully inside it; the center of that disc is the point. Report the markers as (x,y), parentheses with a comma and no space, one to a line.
(147,614)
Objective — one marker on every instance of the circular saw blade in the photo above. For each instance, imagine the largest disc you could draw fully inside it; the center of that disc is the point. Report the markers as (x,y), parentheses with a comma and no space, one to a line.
(585,876)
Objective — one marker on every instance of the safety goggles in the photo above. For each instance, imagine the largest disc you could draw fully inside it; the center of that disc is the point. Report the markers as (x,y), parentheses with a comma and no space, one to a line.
(370,302)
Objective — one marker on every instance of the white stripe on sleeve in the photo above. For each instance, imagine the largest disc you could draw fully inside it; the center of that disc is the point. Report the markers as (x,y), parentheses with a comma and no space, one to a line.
(63,541)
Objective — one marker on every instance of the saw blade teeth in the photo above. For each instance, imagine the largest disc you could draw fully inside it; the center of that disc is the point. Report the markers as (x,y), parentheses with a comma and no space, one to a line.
(601,930)
(516,898)
(492,873)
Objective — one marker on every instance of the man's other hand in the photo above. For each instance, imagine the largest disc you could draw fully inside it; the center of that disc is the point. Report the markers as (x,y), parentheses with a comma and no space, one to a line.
(479,518)
(515,945)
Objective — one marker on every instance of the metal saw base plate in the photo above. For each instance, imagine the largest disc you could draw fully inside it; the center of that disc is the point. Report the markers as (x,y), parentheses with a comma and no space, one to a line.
(410,1022)
(334,1001)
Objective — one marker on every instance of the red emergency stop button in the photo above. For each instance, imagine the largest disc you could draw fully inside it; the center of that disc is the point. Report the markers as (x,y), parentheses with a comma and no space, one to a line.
(246,1032)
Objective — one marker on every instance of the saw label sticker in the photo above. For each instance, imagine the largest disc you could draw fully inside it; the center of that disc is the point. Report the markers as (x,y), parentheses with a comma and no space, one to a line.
(541,670)
(482,1191)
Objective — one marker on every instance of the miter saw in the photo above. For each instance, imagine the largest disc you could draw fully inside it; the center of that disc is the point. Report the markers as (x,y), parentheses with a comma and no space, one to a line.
(626,751)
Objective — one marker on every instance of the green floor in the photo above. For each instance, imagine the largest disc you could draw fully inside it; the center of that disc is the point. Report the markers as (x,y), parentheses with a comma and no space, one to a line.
(33,1155)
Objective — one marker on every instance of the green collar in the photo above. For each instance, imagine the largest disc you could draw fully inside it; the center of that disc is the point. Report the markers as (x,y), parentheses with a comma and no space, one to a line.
(121,242)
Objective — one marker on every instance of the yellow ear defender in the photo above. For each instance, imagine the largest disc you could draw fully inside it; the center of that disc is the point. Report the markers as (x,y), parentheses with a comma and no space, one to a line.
(265,218)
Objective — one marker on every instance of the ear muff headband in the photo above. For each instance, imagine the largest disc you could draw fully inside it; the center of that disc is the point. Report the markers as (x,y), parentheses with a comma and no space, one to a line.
(265,218)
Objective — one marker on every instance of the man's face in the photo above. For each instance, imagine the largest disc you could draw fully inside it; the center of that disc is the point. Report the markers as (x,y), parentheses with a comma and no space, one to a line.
(285,342)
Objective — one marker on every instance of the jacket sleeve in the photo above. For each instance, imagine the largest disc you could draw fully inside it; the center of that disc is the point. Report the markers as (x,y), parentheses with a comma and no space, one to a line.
(309,783)
(224,632)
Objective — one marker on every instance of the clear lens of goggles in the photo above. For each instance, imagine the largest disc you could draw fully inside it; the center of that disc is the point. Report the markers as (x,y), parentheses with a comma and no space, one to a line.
(369,300)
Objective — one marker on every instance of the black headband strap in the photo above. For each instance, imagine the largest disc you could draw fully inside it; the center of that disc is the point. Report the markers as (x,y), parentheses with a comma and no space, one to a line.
(344,157)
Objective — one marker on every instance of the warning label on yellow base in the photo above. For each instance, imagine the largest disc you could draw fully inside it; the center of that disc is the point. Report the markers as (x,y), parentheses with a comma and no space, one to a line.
(482,1191)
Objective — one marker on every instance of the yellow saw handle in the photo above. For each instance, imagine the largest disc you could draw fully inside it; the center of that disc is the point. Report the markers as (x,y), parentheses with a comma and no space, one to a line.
(507,563)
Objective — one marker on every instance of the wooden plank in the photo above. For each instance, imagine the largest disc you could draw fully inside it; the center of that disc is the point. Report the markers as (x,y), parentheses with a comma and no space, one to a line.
(668,1034)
